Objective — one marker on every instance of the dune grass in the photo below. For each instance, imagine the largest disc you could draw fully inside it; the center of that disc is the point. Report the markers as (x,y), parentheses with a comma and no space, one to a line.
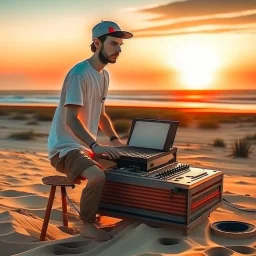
(32,122)
(208,124)
(19,116)
(219,143)
(28,135)
(43,116)
(45,113)
(250,137)
(4,112)
(241,148)
(129,113)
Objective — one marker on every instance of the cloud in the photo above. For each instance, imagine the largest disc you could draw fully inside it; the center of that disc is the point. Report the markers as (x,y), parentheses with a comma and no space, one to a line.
(192,8)
(246,19)
(202,31)
(193,15)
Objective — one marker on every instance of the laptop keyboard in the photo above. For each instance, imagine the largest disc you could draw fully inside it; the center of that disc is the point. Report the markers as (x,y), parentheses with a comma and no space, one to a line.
(138,153)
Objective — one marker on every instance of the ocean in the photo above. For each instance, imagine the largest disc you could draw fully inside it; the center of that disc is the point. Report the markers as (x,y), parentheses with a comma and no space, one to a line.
(226,100)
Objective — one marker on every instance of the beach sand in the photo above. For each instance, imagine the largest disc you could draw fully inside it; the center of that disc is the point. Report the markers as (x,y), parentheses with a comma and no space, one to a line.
(23,199)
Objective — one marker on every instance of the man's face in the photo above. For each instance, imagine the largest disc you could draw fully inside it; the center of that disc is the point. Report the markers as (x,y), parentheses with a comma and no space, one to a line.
(111,48)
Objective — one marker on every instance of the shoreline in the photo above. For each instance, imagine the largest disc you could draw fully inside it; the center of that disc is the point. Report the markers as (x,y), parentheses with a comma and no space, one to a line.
(51,107)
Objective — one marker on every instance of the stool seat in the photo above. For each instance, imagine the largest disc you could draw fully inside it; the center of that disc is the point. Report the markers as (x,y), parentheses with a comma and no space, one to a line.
(57,180)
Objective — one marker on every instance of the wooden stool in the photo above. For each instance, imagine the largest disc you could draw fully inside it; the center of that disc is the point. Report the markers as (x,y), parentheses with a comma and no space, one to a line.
(55,181)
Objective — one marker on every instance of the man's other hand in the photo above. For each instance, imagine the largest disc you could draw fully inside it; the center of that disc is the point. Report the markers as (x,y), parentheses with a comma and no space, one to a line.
(111,152)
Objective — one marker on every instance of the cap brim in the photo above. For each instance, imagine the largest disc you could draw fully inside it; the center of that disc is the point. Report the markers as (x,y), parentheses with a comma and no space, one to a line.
(127,35)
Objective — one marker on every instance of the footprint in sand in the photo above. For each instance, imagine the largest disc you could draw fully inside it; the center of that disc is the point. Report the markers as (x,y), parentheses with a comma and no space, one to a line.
(6,228)
(71,248)
(242,249)
(14,193)
(242,183)
(169,241)
(220,251)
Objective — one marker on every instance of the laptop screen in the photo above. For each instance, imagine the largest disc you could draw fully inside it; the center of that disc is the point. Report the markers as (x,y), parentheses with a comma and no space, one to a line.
(153,134)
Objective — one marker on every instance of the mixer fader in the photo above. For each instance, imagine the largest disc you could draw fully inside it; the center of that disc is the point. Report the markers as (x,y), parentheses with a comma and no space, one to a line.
(170,171)
(184,175)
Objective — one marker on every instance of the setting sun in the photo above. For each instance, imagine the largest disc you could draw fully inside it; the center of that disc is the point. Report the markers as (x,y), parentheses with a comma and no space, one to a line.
(196,66)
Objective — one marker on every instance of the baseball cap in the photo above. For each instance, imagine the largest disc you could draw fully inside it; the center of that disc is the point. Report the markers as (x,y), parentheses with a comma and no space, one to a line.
(107,27)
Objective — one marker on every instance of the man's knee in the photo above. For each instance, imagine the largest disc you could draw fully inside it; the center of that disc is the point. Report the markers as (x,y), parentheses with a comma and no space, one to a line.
(94,175)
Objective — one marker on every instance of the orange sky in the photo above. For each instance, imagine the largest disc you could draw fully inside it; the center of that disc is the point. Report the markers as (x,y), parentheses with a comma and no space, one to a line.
(177,45)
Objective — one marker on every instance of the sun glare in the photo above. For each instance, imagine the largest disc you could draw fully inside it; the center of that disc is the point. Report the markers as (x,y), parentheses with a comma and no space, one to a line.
(196,66)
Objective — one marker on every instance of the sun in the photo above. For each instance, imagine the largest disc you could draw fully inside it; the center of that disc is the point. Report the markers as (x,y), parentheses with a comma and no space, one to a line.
(196,66)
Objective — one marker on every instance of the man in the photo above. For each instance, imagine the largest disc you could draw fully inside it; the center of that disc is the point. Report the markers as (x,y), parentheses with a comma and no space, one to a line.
(76,120)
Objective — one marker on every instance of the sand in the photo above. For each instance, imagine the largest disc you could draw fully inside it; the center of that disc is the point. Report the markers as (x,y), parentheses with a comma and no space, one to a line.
(23,200)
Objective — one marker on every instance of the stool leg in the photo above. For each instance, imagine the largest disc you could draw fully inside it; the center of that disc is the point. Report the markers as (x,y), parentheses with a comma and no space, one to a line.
(64,206)
(47,213)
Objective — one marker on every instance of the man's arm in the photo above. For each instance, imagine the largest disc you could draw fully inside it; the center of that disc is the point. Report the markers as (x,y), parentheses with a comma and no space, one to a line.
(84,135)
(105,124)
(76,126)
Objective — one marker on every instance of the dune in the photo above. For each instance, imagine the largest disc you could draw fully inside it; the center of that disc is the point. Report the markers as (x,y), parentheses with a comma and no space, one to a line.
(23,200)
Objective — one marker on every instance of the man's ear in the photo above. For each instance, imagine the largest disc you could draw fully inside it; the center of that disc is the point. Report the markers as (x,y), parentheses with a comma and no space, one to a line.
(97,43)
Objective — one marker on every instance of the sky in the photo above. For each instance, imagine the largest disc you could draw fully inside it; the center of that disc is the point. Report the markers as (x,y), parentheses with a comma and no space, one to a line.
(193,44)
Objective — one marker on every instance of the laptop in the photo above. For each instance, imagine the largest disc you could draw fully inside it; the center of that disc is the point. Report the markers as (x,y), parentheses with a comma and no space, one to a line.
(149,137)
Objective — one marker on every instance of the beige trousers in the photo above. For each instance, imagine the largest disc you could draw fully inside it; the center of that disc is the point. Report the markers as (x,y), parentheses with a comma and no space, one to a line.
(77,163)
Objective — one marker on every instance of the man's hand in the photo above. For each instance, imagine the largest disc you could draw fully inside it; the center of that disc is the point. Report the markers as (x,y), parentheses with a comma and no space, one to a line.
(111,152)
(117,142)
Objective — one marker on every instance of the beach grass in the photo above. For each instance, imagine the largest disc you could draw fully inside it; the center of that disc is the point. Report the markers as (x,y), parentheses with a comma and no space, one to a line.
(19,116)
(219,143)
(185,118)
(250,137)
(208,124)
(4,112)
(27,135)
(241,148)
(32,122)
(130,113)
(44,116)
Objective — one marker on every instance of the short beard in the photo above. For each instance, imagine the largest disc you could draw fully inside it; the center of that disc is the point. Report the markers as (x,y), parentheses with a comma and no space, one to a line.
(102,57)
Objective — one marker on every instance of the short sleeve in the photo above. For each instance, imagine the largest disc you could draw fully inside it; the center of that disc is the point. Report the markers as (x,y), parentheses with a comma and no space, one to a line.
(107,82)
(75,90)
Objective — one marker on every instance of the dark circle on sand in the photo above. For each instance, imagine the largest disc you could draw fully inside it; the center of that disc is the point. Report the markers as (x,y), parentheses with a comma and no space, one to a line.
(233,229)
(168,241)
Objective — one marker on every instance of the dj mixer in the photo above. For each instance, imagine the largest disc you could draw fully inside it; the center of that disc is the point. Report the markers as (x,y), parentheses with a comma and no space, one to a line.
(173,193)
(147,182)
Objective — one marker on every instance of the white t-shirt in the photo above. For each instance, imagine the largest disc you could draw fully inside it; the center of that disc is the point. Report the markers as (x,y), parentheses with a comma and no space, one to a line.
(83,86)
